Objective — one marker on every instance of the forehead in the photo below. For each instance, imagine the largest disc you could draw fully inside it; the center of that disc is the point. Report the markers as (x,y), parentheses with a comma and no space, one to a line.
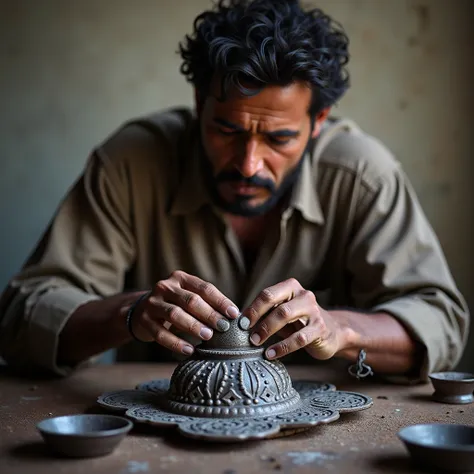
(274,103)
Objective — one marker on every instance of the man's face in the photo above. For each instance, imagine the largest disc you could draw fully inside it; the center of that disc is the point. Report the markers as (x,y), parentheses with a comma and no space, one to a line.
(255,144)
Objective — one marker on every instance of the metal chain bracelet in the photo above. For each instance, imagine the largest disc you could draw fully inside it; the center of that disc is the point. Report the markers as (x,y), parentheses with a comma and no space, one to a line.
(128,319)
(360,370)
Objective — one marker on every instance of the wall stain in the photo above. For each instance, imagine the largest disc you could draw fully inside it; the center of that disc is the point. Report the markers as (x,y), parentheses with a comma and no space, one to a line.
(423,19)
(403,104)
(423,15)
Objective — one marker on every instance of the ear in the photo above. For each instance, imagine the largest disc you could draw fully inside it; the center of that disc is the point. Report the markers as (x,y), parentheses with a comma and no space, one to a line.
(319,120)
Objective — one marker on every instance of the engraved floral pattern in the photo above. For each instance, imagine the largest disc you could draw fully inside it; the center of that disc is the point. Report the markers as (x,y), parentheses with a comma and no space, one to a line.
(158,386)
(239,383)
(124,399)
(341,401)
(307,387)
(155,416)
(229,430)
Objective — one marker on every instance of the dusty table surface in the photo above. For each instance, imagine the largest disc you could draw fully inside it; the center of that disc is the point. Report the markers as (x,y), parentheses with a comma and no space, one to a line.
(364,442)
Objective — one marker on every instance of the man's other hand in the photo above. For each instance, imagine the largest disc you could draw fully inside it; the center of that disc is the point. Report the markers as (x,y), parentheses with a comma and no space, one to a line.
(291,312)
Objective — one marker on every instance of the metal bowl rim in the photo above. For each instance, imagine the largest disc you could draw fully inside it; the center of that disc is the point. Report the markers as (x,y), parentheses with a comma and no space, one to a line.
(127,426)
(436,447)
(469,377)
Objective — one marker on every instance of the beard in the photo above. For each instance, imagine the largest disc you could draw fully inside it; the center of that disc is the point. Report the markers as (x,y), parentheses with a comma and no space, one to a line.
(241,205)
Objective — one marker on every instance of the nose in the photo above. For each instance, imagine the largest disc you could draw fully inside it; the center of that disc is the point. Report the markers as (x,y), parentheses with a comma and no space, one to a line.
(251,161)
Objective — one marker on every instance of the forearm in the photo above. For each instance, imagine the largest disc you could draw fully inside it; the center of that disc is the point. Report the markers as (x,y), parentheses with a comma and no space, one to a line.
(389,347)
(95,327)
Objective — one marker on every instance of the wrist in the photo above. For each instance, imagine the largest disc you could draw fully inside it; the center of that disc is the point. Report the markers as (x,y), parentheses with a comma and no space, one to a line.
(117,320)
(348,338)
(134,329)
(94,327)
(347,342)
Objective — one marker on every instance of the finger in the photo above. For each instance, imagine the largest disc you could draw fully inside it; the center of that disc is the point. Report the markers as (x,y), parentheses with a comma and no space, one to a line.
(302,338)
(209,293)
(281,316)
(163,312)
(290,329)
(270,297)
(194,305)
(167,339)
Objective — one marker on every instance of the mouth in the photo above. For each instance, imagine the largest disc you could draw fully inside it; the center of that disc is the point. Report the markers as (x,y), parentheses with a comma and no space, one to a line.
(240,189)
(245,189)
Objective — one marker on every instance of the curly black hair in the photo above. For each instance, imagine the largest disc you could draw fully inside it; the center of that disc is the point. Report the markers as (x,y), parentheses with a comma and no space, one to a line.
(267,42)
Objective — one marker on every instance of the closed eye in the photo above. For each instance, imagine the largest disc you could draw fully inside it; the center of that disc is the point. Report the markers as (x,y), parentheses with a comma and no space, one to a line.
(280,140)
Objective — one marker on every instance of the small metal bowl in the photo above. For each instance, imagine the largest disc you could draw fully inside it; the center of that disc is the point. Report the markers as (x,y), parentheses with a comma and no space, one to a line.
(443,447)
(453,387)
(84,435)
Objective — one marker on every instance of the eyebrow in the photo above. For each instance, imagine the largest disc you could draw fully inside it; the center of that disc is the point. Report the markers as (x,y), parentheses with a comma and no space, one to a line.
(283,133)
(225,123)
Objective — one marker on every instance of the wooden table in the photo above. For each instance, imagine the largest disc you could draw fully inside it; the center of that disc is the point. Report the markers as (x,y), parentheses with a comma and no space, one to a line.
(364,442)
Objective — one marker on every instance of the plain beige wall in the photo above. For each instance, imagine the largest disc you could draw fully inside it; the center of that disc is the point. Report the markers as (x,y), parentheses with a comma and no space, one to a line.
(71,72)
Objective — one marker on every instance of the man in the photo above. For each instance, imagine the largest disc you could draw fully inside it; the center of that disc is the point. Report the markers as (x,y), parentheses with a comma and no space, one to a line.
(258,204)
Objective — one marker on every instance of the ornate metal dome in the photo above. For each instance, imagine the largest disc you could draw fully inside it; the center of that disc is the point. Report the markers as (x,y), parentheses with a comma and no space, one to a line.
(227,378)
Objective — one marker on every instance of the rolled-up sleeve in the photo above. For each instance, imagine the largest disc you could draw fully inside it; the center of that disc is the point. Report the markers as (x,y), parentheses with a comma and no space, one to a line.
(396,265)
(83,256)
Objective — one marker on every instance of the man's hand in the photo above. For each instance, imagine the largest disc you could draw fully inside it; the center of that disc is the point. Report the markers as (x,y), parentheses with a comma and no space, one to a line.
(190,304)
(291,312)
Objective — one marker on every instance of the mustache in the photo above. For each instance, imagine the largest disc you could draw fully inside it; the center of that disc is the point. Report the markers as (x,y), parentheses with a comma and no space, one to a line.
(235,176)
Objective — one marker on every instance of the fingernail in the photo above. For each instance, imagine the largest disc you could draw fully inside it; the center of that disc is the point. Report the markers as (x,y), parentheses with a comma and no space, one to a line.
(223,325)
(206,333)
(255,338)
(271,353)
(188,350)
(244,323)
(232,312)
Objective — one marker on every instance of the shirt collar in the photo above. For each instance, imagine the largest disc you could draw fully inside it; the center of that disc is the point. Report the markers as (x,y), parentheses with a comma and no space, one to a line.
(191,194)
(304,196)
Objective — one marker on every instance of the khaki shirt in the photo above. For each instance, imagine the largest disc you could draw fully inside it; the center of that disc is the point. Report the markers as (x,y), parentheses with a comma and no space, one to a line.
(354,233)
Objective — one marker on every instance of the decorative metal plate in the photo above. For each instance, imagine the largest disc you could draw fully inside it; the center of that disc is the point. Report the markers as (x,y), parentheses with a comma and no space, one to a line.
(306,388)
(320,403)
(341,401)
(229,430)
(158,386)
(124,399)
(155,416)
(306,417)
